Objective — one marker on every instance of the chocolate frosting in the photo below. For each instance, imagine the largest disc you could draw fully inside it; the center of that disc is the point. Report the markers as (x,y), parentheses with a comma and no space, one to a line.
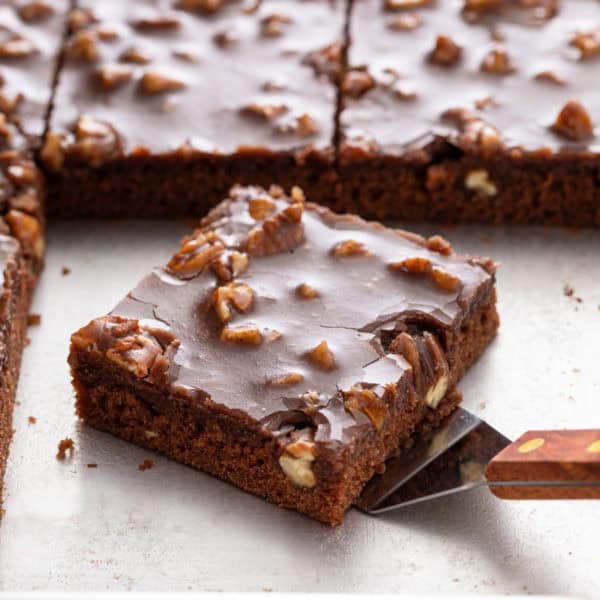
(543,70)
(29,46)
(337,282)
(243,75)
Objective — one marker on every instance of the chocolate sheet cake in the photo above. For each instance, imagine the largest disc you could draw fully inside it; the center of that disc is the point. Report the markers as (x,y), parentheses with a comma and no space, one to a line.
(160,100)
(30,39)
(472,111)
(287,349)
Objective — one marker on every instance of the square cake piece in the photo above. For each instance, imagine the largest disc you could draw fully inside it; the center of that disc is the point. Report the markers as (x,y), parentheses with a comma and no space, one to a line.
(287,349)
(158,99)
(473,111)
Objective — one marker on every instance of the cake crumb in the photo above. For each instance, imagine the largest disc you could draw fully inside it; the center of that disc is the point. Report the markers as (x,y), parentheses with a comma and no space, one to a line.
(92,465)
(34,319)
(65,446)
(482,405)
(147,464)
(568,290)
(27,341)
(65,271)
(31,420)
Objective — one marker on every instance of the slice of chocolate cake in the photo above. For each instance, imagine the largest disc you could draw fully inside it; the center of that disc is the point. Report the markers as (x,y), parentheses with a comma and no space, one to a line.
(287,349)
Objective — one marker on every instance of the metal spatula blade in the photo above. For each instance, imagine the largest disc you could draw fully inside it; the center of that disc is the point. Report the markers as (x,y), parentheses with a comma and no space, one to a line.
(450,459)
(465,453)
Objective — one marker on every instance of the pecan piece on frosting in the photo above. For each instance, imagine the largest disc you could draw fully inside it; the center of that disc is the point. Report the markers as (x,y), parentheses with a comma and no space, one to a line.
(445,52)
(361,400)
(36,10)
(574,122)
(197,251)
(587,42)
(357,82)
(274,25)
(279,233)
(236,295)
(96,141)
(497,62)
(141,349)
(322,356)
(200,6)
(153,82)
(112,76)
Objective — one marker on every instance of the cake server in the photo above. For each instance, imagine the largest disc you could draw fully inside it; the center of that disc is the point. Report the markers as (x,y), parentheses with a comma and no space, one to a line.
(465,453)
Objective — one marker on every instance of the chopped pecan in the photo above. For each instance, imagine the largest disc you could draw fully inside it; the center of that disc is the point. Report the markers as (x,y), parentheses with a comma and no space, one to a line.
(229,264)
(483,103)
(574,122)
(200,6)
(142,350)
(156,83)
(587,42)
(195,254)
(249,336)
(436,243)
(445,52)
(96,141)
(112,76)
(497,62)
(225,39)
(405,345)
(303,125)
(80,18)
(405,22)
(416,265)
(35,11)
(357,82)
(322,356)
(274,25)
(287,379)
(359,400)
(135,55)
(261,208)
(479,181)
(325,61)
(158,22)
(406,4)
(13,45)
(28,231)
(306,291)
(446,281)
(264,111)
(52,152)
(475,132)
(279,233)
(551,77)
(350,248)
(83,47)
(237,295)
(296,463)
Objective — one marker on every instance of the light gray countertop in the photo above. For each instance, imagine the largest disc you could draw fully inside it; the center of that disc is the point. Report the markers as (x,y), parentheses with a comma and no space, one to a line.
(171,528)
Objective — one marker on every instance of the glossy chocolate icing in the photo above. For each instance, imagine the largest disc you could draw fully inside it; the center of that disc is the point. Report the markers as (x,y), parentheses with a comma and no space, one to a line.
(520,101)
(242,75)
(356,299)
(29,46)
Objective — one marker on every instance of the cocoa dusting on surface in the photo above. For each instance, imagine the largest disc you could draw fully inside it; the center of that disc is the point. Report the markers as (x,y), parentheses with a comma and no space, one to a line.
(147,464)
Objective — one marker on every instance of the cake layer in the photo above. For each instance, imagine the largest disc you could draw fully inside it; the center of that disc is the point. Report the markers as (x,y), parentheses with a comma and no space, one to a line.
(462,111)
(157,100)
(287,349)
(14,306)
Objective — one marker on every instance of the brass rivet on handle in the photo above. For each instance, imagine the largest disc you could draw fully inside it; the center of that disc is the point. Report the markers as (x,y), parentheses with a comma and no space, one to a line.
(594,447)
(530,445)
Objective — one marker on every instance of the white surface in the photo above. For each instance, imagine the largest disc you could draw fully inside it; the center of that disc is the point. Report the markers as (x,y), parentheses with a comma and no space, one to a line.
(68,527)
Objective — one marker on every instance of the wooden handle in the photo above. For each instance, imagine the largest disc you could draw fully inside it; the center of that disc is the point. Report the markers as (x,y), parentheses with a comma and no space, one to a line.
(564,464)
